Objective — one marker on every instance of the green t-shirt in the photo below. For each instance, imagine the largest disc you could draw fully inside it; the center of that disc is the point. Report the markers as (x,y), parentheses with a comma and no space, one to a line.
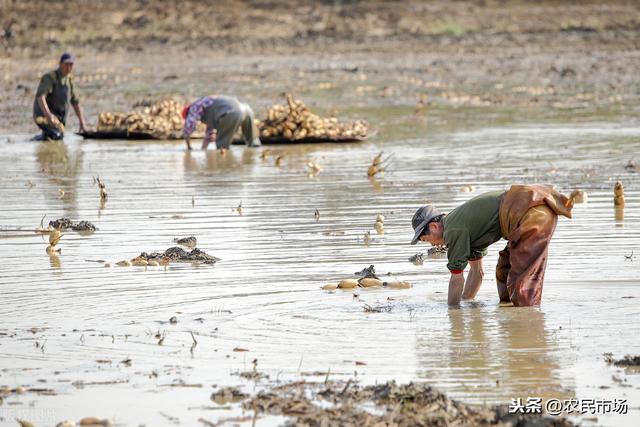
(470,228)
(45,87)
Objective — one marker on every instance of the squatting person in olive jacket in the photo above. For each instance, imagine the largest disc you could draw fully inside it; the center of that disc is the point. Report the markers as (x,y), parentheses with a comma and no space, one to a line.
(525,215)
(53,96)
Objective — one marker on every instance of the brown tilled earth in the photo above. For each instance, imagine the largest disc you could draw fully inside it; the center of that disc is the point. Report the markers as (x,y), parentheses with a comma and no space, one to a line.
(545,56)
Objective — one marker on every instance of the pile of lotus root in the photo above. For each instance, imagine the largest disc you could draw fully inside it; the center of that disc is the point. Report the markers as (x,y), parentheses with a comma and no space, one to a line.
(160,119)
(294,121)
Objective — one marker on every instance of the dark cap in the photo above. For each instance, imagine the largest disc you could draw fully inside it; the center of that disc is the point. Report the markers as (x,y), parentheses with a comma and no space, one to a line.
(67,58)
(421,219)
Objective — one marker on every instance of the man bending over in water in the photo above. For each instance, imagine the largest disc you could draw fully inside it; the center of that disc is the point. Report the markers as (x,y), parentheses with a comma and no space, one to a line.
(222,115)
(525,215)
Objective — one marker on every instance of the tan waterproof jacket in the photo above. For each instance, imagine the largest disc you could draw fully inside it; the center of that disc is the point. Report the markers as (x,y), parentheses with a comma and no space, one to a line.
(520,198)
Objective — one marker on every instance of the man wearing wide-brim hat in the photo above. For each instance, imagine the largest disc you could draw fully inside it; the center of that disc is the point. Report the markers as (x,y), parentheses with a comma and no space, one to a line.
(53,96)
(525,215)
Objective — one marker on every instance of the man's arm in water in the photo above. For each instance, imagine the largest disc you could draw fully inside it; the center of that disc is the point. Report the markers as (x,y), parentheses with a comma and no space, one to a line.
(456,286)
(78,109)
(474,279)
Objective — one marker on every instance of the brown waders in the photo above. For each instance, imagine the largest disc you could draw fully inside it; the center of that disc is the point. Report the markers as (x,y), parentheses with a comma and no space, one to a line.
(528,218)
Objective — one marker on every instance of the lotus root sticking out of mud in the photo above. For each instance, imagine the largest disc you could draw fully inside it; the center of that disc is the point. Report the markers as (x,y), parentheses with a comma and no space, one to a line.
(139,261)
(378,165)
(379,227)
(374,170)
(94,422)
(314,169)
(369,282)
(103,191)
(618,194)
(578,196)
(54,237)
(396,284)
(377,160)
(468,189)
(348,284)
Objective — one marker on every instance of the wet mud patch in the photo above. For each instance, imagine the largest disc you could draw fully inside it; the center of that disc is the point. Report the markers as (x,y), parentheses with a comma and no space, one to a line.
(349,404)
(177,254)
(65,223)
(627,361)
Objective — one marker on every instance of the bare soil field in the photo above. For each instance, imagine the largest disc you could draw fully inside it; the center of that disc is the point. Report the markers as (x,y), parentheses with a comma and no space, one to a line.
(557,55)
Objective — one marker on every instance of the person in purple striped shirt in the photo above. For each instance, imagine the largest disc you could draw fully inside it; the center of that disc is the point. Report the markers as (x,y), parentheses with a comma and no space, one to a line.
(222,115)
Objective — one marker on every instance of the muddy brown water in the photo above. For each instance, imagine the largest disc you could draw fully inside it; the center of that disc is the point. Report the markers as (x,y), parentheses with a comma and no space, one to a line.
(264,295)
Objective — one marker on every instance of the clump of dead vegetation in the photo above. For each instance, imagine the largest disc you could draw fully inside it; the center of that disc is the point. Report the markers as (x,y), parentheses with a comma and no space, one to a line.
(413,404)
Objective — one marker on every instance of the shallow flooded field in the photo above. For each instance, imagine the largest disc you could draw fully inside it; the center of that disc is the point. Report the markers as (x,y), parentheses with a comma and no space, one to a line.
(98,339)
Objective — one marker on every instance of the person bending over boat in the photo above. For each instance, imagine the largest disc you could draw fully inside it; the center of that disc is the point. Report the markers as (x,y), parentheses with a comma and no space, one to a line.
(222,115)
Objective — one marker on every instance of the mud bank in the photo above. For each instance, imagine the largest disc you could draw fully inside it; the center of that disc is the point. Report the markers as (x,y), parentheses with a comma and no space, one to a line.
(555,56)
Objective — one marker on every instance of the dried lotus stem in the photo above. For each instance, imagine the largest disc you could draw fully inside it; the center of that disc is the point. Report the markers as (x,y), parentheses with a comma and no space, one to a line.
(103,192)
